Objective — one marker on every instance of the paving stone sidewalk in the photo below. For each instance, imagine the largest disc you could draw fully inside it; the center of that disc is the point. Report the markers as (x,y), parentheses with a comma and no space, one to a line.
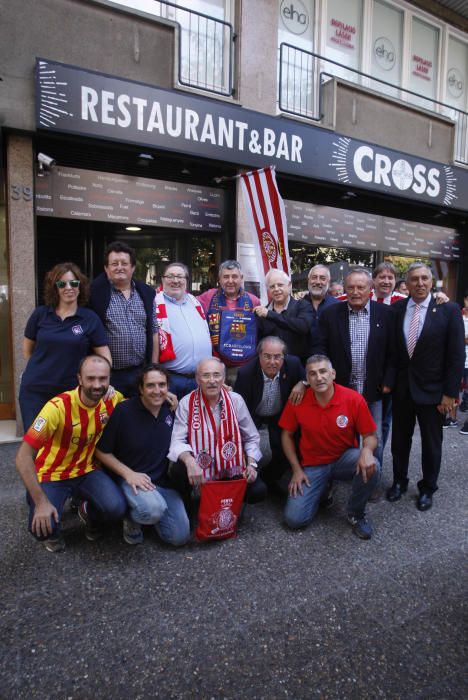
(271,614)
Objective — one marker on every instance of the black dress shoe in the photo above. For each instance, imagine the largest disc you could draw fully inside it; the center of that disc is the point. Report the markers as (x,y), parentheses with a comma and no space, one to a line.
(424,501)
(396,491)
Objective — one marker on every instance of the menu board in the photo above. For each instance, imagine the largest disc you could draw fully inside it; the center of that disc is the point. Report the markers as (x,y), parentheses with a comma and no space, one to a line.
(73,193)
(343,228)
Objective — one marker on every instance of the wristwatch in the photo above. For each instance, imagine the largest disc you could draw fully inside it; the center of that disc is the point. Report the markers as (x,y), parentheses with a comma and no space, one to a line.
(306,383)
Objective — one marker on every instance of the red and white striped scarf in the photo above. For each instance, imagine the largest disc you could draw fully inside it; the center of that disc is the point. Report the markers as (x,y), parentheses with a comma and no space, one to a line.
(166,348)
(216,449)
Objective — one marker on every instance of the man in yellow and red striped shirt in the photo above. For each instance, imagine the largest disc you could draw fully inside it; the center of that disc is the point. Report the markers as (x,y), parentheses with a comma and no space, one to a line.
(56,457)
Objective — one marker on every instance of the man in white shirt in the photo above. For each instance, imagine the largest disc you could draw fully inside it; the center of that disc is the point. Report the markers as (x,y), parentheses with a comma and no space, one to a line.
(184,338)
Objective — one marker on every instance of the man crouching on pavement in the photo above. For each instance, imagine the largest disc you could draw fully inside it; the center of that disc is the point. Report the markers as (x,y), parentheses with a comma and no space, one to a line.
(213,430)
(134,446)
(330,418)
(56,458)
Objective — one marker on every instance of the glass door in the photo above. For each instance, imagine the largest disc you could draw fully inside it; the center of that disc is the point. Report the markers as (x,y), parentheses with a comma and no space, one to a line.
(201,253)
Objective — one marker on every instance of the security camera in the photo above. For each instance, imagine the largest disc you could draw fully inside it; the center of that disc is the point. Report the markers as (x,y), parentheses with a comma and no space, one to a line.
(45,161)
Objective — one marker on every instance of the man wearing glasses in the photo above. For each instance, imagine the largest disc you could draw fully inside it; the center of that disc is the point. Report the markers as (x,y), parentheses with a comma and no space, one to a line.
(127,308)
(266,383)
(184,338)
(214,436)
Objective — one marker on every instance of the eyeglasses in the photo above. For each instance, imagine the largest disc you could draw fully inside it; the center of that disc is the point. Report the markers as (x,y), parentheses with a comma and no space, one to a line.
(174,277)
(61,284)
(269,357)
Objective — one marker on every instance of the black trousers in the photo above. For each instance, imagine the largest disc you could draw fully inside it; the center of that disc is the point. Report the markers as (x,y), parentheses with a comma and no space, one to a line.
(405,413)
(273,471)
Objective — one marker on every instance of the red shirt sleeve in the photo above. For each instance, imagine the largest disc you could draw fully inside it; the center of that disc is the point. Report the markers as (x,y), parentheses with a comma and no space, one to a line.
(288,420)
(364,422)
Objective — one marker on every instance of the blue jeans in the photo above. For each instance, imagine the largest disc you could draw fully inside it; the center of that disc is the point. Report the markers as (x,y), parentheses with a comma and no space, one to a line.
(181,386)
(375,407)
(387,413)
(105,499)
(300,510)
(162,508)
(465,391)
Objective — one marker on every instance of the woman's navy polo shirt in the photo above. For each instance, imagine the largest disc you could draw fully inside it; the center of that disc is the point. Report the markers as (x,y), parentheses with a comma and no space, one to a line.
(138,439)
(59,347)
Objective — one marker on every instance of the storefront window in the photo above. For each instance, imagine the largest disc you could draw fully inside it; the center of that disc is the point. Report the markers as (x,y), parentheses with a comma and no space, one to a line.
(297,67)
(444,272)
(424,62)
(338,260)
(155,250)
(343,38)
(386,46)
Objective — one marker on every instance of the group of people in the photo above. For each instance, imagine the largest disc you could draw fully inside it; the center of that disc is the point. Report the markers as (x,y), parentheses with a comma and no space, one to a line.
(175,391)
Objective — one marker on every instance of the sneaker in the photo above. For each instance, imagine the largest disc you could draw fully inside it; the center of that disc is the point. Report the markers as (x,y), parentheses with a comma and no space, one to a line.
(132,532)
(450,423)
(93,531)
(54,544)
(463,407)
(361,527)
(464,429)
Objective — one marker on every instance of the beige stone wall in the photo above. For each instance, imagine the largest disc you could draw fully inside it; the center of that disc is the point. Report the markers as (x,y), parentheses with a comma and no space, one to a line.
(258,56)
(20,169)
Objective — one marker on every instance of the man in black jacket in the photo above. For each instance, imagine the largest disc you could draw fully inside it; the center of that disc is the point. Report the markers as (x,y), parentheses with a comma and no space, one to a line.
(285,317)
(430,344)
(127,310)
(266,383)
(358,337)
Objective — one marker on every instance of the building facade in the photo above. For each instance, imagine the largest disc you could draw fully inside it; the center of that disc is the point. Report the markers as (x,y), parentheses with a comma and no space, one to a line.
(129,120)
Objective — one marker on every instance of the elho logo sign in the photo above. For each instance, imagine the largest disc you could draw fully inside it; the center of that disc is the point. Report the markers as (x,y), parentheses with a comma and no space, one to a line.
(384,53)
(455,82)
(294,16)
(371,166)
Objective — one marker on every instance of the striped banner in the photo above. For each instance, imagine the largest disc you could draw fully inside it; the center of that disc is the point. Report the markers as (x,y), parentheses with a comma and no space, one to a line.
(267,221)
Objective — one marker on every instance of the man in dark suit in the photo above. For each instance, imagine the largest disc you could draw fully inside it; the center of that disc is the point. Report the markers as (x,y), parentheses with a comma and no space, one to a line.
(430,359)
(266,383)
(358,337)
(285,317)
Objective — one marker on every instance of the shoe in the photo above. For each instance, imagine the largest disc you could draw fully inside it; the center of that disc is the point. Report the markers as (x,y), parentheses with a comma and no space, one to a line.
(361,527)
(54,544)
(132,532)
(450,423)
(463,407)
(464,429)
(396,491)
(376,495)
(93,531)
(424,501)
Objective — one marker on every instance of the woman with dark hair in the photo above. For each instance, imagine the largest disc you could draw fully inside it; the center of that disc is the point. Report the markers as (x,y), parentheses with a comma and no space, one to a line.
(57,336)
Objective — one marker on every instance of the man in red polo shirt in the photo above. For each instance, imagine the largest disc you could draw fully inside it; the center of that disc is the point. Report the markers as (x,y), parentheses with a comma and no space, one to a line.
(330,419)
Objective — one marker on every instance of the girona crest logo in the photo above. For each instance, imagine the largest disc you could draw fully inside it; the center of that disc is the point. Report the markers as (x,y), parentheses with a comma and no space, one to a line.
(269,246)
